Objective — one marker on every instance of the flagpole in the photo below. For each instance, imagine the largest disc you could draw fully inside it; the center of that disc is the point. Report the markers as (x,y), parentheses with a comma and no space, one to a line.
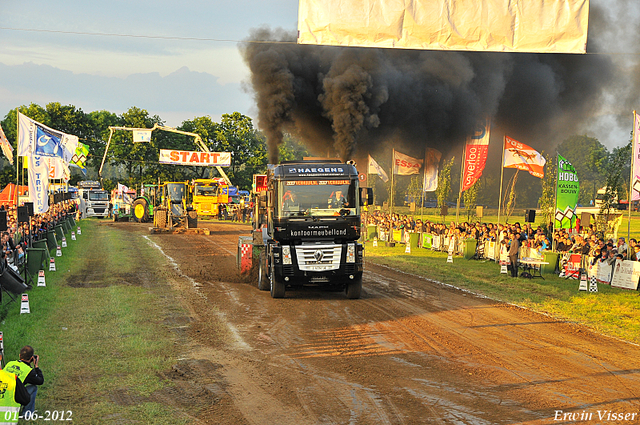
(464,157)
(393,158)
(555,205)
(501,179)
(17,156)
(631,176)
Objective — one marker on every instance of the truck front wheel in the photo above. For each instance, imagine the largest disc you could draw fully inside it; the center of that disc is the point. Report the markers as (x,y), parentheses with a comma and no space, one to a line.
(354,288)
(277,286)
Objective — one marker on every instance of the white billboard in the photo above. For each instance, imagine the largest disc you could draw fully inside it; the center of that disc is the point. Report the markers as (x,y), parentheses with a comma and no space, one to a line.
(539,26)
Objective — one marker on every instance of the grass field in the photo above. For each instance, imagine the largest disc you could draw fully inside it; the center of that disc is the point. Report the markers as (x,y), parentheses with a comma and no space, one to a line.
(612,311)
(99,336)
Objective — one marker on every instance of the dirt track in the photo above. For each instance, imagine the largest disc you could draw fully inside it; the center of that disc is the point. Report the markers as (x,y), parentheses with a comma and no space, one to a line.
(410,351)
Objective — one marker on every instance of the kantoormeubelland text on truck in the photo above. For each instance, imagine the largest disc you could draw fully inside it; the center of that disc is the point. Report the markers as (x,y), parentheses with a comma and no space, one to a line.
(309,219)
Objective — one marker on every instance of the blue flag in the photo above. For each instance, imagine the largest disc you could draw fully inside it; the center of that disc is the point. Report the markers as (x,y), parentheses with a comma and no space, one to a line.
(35,138)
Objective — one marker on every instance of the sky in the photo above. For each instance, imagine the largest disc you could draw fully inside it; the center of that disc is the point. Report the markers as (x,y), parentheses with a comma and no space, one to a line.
(179,60)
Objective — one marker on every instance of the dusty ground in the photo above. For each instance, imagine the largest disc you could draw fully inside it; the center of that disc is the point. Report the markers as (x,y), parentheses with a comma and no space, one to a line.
(410,351)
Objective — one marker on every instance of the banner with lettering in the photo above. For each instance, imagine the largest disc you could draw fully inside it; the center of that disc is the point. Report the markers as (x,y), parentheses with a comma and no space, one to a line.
(404,165)
(475,154)
(39,184)
(567,192)
(200,159)
(626,274)
(635,165)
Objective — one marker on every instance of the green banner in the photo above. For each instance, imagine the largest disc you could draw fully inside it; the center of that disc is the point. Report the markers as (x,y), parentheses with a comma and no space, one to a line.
(427,240)
(566,195)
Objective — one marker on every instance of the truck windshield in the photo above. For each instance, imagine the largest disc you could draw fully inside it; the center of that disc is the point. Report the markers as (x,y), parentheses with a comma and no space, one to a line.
(205,190)
(175,191)
(317,198)
(98,196)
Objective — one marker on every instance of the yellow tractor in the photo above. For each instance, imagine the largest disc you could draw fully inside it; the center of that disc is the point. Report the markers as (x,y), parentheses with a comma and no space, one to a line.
(174,209)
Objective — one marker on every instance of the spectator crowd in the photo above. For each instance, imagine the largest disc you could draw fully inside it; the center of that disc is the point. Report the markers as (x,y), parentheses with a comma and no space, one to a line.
(531,240)
(15,238)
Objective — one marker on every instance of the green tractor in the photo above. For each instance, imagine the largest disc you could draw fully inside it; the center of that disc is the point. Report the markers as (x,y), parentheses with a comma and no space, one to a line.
(173,208)
(143,206)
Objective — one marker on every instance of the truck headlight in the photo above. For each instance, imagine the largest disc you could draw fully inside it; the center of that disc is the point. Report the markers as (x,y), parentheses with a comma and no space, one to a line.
(286,254)
(351,253)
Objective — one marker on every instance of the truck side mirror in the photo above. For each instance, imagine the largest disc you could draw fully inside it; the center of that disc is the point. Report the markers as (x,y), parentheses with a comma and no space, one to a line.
(366,196)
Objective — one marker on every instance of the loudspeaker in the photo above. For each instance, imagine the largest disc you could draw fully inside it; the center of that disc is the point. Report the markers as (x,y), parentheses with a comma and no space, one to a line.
(529,216)
(23,214)
(29,206)
(3,221)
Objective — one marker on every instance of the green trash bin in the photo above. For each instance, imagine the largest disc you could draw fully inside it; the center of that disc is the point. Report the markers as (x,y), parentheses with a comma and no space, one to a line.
(59,232)
(469,249)
(35,261)
(42,244)
(552,258)
(372,232)
(414,238)
(52,241)
(65,226)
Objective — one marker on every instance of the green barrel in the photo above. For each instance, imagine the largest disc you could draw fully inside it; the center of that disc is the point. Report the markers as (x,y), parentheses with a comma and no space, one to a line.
(469,248)
(42,244)
(551,258)
(35,260)
(66,226)
(52,241)
(414,239)
(59,232)
(372,232)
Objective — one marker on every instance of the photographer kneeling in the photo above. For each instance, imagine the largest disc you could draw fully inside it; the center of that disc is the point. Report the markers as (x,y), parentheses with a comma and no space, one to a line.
(27,370)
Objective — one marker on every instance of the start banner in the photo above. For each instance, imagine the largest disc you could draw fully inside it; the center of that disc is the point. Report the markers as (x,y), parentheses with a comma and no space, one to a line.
(199,159)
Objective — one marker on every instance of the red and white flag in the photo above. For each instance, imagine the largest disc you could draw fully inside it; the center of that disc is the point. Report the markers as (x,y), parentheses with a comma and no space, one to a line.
(404,165)
(520,156)
(475,154)
(7,149)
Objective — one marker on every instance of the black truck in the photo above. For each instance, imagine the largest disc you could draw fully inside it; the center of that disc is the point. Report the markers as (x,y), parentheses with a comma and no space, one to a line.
(309,224)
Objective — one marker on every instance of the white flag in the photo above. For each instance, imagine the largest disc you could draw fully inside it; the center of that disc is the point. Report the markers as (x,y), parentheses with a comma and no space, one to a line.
(38,184)
(404,165)
(431,162)
(375,168)
(37,138)
(141,136)
(7,149)
(58,169)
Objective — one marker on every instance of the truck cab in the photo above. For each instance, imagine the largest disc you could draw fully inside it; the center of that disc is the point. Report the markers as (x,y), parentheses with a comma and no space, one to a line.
(93,201)
(311,216)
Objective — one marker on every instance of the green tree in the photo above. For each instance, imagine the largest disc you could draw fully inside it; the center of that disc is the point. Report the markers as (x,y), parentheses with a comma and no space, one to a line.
(444,184)
(589,157)
(547,202)
(414,190)
(470,198)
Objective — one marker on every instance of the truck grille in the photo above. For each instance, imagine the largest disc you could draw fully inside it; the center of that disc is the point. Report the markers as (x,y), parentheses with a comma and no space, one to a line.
(318,257)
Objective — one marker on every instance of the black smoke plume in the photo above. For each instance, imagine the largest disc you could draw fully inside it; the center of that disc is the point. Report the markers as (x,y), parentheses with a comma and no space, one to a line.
(351,101)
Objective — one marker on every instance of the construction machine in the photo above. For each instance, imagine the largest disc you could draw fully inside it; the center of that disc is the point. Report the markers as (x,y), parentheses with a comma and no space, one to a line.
(173,209)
